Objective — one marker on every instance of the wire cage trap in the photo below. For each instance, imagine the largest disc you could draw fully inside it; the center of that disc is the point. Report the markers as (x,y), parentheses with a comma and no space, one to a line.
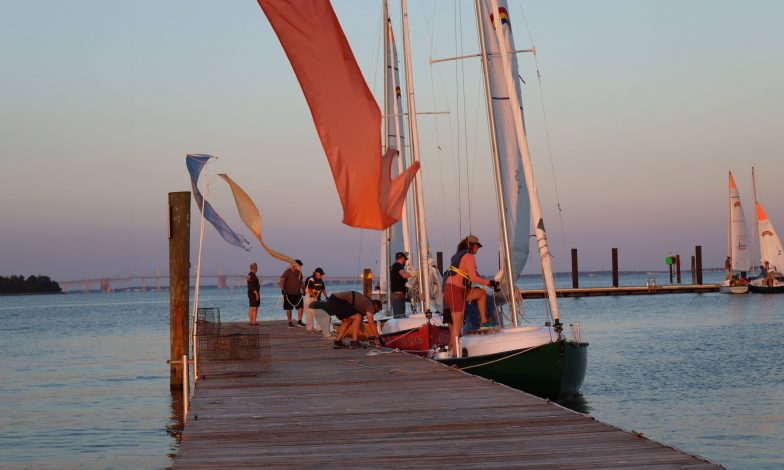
(207,321)
(238,354)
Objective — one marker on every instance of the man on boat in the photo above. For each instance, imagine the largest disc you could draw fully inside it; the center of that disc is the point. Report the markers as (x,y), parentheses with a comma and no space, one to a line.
(397,284)
(254,300)
(314,287)
(458,290)
(291,287)
(350,307)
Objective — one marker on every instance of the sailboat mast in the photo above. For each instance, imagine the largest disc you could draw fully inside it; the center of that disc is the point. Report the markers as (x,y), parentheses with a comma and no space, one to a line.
(533,195)
(419,202)
(756,217)
(729,218)
(383,263)
(507,255)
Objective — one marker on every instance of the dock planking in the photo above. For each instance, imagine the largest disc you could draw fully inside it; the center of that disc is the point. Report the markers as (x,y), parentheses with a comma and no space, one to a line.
(318,407)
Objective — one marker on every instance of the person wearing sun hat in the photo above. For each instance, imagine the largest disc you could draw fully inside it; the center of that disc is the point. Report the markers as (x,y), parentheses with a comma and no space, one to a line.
(458,289)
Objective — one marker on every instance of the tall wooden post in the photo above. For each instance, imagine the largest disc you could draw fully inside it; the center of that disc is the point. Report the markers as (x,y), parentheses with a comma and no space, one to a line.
(179,279)
(693,272)
(440,262)
(367,282)
(698,255)
(615,266)
(678,268)
(575,278)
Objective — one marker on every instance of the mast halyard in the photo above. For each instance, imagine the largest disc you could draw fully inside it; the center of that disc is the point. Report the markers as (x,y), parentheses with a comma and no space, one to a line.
(505,245)
(419,203)
(533,195)
(729,220)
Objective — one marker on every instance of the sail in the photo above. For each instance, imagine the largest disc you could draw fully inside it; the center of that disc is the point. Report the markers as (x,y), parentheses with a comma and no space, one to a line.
(513,186)
(739,249)
(398,232)
(346,116)
(769,242)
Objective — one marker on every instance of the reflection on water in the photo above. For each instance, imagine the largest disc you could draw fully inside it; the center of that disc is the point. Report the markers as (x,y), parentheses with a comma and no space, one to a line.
(578,403)
(176,424)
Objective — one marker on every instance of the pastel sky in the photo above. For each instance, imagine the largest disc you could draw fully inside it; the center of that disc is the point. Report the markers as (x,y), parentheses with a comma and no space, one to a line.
(648,104)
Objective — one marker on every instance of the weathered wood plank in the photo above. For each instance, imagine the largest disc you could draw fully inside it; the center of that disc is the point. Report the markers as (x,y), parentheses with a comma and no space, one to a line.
(319,408)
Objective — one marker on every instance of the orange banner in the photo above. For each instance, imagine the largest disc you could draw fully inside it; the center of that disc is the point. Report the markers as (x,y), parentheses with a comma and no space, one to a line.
(347,118)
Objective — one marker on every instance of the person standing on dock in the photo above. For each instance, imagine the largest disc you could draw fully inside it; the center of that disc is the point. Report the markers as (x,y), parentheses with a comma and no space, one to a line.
(254,298)
(350,307)
(397,284)
(291,287)
(458,290)
(314,287)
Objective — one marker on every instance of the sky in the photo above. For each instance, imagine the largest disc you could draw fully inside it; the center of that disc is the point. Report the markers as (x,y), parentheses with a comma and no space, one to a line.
(642,108)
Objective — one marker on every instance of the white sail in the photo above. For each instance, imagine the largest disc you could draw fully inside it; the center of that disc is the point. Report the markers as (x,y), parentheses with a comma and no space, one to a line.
(739,248)
(769,242)
(513,185)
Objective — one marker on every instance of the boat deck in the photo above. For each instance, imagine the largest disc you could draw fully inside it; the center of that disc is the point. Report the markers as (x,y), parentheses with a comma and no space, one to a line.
(317,407)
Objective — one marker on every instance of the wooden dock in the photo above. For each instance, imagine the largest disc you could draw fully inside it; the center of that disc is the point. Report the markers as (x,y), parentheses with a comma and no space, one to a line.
(624,290)
(318,407)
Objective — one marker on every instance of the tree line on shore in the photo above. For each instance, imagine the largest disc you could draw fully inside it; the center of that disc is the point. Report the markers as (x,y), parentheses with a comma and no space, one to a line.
(31,285)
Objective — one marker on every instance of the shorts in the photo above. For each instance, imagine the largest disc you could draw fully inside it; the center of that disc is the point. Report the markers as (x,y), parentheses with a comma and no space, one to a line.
(340,308)
(292,301)
(455,297)
(252,300)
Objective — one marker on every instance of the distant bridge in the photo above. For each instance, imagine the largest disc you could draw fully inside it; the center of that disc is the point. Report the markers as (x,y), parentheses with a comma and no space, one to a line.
(157,282)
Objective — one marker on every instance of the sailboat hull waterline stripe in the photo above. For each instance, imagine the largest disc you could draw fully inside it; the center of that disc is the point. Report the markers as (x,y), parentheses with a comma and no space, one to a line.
(347,118)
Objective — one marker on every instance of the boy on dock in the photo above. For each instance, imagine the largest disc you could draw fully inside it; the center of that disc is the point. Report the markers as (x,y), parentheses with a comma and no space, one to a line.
(314,287)
(254,300)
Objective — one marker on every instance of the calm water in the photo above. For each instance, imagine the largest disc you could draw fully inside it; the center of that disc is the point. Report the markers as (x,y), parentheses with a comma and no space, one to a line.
(85,382)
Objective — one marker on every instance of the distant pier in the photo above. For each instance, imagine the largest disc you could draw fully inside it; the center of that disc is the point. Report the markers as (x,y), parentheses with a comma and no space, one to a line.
(317,407)
(623,290)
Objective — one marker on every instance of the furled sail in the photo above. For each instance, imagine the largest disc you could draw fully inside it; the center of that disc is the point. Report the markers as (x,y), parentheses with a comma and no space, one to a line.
(346,116)
(769,242)
(399,240)
(251,216)
(513,185)
(195,164)
(739,251)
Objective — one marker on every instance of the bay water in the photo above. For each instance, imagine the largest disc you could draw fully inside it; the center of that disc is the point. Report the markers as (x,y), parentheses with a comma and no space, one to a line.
(85,380)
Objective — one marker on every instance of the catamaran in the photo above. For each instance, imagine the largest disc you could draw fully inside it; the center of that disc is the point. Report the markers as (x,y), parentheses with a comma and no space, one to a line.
(539,359)
(737,246)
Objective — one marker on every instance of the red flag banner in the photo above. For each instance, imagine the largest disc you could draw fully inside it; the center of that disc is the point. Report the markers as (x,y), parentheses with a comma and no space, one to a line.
(347,118)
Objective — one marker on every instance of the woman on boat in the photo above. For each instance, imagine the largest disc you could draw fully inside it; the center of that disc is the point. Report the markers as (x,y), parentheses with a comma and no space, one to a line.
(458,289)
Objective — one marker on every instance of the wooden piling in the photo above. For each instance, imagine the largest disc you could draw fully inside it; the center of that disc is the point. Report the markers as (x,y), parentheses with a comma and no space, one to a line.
(678,268)
(179,279)
(575,278)
(693,273)
(615,267)
(440,262)
(367,282)
(698,256)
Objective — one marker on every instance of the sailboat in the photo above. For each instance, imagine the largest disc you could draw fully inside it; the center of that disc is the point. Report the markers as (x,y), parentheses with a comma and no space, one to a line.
(422,329)
(737,247)
(771,254)
(537,359)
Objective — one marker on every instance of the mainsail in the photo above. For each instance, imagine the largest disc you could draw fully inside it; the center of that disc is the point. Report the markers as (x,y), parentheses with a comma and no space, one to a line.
(739,250)
(513,185)
(769,242)
(346,116)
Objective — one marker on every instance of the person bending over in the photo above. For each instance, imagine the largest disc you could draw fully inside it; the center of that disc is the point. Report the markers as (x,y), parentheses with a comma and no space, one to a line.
(350,307)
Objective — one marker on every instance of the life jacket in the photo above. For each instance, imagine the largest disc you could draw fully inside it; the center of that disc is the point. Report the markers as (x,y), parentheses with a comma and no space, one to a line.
(455,271)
